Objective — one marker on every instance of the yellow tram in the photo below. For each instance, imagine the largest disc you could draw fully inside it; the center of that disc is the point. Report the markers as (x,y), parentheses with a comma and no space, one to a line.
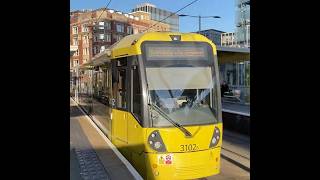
(156,96)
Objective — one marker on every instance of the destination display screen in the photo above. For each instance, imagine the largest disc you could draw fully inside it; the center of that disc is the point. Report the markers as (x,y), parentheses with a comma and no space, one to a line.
(171,52)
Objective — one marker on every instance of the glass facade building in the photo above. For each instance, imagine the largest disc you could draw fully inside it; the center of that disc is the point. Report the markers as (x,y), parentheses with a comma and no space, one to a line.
(243,22)
(237,76)
(212,34)
(157,14)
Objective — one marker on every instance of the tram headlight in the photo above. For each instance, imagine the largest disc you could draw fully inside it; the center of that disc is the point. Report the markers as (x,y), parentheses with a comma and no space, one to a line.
(157,145)
(216,137)
(155,142)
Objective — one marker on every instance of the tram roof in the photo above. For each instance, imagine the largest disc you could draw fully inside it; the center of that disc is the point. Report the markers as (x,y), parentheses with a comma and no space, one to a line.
(130,45)
(232,54)
(106,55)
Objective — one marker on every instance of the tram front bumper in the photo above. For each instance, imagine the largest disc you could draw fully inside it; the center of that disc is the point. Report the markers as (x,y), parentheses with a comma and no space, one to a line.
(187,165)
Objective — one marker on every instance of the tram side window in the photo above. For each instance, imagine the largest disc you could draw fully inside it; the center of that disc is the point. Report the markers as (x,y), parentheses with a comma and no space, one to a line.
(214,95)
(136,93)
(101,85)
(119,84)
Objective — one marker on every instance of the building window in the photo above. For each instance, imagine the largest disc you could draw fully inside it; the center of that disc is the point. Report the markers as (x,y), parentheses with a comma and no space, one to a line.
(104,25)
(108,37)
(75,41)
(95,50)
(76,53)
(120,27)
(95,38)
(85,28)
(75,62)
(85,51)
(107,25)
(135,31)
(101,36)
(85,39)
(129,30)
(101,25)
(102,48)
(74,30)
(117,37)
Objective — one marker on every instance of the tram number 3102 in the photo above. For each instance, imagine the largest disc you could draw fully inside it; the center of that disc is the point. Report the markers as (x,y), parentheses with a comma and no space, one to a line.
(188,147)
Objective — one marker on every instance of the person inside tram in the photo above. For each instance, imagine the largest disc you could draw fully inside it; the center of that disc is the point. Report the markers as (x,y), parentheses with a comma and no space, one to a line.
(224,88)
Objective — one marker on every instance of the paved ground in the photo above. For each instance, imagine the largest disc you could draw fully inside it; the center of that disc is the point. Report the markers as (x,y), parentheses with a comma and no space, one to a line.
(84,162)
(237,142)
(90,156)
(74,165)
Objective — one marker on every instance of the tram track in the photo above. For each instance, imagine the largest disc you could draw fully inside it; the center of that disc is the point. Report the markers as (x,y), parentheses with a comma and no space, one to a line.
(239,163)
(236,153)
(236,149)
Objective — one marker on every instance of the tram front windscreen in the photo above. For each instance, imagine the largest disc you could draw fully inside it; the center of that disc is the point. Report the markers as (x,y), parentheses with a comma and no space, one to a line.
(181,83)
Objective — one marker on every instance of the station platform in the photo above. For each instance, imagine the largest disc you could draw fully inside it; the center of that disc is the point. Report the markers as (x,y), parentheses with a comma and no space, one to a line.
(236,108)
(92,155)
(236,117)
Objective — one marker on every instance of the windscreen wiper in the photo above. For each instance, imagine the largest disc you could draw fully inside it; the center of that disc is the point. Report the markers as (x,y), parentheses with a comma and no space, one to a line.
(179,126)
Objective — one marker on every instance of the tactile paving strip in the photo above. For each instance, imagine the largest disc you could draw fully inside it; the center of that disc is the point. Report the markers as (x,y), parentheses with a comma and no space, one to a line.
(90,166)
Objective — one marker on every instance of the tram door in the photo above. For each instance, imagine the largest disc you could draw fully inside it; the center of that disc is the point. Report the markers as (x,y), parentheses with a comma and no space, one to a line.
(120,98)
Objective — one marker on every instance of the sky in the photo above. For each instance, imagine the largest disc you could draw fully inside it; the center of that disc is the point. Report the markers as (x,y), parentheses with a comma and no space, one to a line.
(223,8)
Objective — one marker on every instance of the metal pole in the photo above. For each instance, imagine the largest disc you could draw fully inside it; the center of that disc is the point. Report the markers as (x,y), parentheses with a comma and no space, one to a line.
(198,95)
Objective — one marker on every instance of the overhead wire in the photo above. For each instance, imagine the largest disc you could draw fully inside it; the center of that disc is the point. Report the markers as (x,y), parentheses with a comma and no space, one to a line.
(173,14)
(104,10)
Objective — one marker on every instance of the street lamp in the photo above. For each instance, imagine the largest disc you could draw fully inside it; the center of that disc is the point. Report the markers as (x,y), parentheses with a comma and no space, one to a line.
(199,17)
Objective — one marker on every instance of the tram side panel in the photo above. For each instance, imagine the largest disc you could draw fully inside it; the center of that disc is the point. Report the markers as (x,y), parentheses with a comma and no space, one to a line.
(127,133)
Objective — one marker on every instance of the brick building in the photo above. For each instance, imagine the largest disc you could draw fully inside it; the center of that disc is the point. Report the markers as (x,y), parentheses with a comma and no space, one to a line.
(92,37)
